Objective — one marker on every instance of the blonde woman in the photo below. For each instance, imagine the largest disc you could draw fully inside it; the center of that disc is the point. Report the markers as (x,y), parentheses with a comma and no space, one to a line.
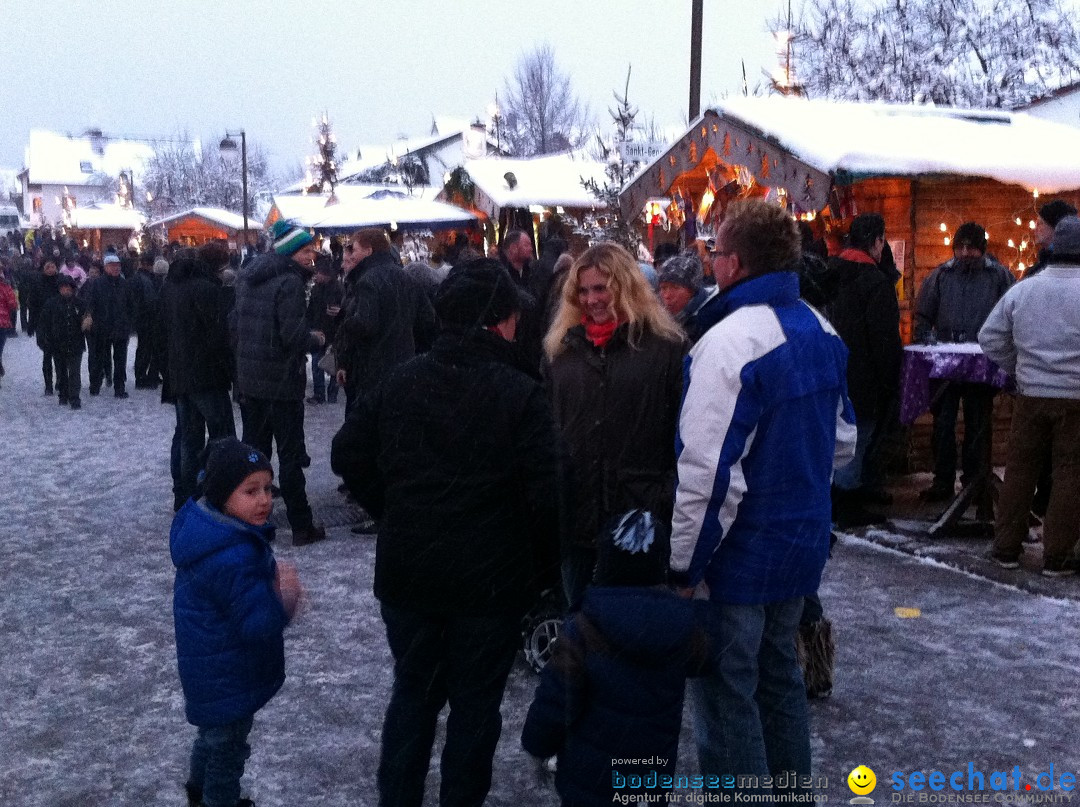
(614,364)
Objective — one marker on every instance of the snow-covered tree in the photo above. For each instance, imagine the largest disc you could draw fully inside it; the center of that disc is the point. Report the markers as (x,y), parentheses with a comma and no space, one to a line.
(609,225)
(408,170)
(541,114)
(980,53)
(181,175)
(322,166)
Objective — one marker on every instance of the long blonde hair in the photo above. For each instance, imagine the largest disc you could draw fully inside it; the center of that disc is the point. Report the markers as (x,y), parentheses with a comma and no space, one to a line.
(632,299)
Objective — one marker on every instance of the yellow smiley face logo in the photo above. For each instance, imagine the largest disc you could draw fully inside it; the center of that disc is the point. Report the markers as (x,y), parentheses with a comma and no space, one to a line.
(861,780)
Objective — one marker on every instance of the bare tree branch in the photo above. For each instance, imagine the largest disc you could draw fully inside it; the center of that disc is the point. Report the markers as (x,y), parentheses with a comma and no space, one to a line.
(542,114)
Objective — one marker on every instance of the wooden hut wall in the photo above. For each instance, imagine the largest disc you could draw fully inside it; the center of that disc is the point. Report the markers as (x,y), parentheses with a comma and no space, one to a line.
(196,231)
(914,211)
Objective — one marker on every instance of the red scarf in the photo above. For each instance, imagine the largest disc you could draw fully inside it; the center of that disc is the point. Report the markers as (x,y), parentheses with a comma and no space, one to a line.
(856,256)
(599,335)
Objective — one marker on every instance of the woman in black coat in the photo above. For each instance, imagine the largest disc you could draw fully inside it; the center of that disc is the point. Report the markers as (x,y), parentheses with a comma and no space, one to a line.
(614,366)
(43,289)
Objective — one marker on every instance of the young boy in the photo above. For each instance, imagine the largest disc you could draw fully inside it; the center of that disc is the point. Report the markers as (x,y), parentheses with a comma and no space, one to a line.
(231,603)
(61,334)
(614,686)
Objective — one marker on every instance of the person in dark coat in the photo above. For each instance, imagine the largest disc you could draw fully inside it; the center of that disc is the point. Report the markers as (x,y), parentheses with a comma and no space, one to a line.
(44,287)
(111,307)
(231,605)
(863,308)
(146,292)
(24,281)
(614,686)
(952,306)
(516,254)
(272,343)
(386,317)
(198,360)
(454,455)
(324,303)
(614,370)
(1049,215)
(61,331)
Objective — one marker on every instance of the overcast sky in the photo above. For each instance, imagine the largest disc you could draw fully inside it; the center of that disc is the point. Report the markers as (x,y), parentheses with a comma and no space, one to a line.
(380,69)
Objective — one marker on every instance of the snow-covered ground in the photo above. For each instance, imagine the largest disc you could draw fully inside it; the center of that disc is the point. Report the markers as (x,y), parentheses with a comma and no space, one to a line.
(90,708)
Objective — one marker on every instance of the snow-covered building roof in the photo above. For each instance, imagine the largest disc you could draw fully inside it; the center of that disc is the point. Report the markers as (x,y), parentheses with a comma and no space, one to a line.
(57,159)
(215,215)
(441,150)
(802,144)
(383,208)
(105,217)
(551,181)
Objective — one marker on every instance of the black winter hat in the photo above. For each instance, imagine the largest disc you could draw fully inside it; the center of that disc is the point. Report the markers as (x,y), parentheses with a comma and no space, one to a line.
(971,234)
(1066,241)
(1055,211)
(65,280)
(479,293)
(226,463)
(630,554)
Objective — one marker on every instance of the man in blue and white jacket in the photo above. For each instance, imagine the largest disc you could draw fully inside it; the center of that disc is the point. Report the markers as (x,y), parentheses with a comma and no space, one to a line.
(765,419)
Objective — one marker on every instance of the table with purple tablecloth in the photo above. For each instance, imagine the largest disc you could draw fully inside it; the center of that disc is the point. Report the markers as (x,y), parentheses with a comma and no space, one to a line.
(952,361)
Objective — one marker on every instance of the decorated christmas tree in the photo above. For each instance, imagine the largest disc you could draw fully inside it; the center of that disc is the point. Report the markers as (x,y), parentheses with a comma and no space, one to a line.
(322,167)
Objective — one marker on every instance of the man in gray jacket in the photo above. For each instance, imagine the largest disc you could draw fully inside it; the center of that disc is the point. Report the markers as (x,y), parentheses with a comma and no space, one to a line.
(272,343)
(1034,334)
(952,305)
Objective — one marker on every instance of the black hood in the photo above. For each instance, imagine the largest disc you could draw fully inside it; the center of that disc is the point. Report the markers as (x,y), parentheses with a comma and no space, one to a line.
(268,266)
(187,268)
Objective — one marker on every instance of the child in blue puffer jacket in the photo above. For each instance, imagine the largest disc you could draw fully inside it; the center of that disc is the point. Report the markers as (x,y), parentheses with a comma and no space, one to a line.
(613,689)
(231,604)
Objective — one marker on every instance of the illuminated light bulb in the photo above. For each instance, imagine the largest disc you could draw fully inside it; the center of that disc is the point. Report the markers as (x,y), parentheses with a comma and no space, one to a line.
(946,240)
(1011,244)
(1035,193)
(1031,224)
(1021,266)
(944,229)
(1023,245)
(1019,223)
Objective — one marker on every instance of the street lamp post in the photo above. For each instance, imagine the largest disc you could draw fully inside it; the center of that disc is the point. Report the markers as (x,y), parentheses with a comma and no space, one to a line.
(228,144)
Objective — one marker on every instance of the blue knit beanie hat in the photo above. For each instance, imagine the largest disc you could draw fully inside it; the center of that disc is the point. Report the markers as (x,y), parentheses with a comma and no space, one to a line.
(226,463)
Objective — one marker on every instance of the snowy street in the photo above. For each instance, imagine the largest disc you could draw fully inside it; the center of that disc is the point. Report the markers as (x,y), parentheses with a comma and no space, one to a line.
(91,715)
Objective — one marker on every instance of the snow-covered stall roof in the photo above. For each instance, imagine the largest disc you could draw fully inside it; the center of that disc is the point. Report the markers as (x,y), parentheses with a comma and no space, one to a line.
(105,217)
(552,181)
(385,208)
(216,215)
(818,139)
(374,155)
(56,159)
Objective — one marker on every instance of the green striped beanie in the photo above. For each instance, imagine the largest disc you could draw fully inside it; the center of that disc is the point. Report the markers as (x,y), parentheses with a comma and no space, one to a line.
(288,237)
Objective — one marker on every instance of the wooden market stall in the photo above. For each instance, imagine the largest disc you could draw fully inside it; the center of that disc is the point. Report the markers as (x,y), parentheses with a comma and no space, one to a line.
(530,194)
(925,169)
(99,226)
(197,226)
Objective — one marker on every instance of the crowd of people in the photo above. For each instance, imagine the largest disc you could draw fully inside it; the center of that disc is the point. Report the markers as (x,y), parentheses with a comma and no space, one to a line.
(668,447)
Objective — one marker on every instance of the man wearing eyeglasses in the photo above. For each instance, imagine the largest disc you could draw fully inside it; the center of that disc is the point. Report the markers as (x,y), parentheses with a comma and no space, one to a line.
(765,418)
